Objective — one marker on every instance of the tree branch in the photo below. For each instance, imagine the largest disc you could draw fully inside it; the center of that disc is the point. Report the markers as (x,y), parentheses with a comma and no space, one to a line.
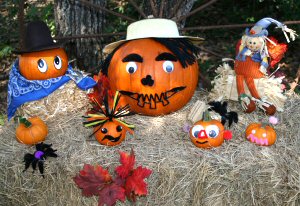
(196,10)
(97,7)
(137,8)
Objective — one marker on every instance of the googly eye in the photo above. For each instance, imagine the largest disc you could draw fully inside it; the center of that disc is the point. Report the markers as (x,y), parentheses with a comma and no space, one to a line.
(104,130)
(196,129)
(264,135)
(168,66)
(42,65)
(57,62)
(119,128)
(131,67)
(253,131)
(212,131)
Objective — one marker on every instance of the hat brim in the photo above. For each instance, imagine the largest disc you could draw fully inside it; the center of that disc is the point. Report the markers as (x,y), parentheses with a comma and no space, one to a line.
(110,47)
(38,49)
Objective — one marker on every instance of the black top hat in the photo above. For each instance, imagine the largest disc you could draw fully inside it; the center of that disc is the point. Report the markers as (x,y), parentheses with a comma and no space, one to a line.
(37,38)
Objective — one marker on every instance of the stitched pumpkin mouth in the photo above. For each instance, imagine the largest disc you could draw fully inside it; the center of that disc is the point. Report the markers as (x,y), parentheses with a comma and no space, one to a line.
(153,99)
(111,138)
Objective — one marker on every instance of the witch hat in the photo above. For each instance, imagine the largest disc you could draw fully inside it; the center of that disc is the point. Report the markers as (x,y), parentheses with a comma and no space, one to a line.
(37,38)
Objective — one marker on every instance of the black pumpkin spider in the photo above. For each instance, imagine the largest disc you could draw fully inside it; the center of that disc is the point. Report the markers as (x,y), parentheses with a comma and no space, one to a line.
(221,109)
(39,156)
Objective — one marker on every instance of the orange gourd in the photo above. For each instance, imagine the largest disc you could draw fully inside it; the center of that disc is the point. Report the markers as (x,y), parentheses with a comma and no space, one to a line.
(261,134)
(43,65)
(31,131)
(150,84)
(207,133)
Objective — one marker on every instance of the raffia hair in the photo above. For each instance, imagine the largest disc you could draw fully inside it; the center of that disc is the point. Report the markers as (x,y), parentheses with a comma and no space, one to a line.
(183,49)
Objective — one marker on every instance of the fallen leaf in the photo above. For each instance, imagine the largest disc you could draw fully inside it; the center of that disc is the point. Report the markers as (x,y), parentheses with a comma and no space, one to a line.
(90,179)
(127,163)
(110,194)
(135,184)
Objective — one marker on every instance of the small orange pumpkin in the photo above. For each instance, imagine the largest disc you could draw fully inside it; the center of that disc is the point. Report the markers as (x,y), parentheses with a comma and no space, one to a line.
(261,134)
(31,131)
(43,65)
(207,133)
(111,133)
(151,77)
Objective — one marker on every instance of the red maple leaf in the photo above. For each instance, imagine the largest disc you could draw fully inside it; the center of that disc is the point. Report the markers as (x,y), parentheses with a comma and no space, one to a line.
(127,163)
(135,184)
(110,194)
(90,179)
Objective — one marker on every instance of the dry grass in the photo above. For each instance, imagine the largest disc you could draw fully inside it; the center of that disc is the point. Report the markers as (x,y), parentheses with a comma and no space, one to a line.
(237,173)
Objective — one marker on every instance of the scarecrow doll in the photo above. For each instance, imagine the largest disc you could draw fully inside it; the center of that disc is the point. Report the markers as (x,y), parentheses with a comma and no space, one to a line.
(41,68)
(154,68)
(252,62)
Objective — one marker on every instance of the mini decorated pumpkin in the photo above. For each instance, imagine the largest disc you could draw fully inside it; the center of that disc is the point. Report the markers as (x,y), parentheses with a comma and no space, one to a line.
(44,64)
(108,129)
(208,132)
(31,131)
(261,134)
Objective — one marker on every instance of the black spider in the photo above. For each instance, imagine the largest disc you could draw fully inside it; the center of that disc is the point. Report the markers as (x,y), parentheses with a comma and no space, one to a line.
(222,110)
(39,156)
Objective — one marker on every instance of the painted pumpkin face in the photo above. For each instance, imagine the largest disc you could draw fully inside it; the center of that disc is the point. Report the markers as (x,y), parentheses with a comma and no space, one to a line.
(151,78)
(207,134)
(110,134)
(260,135)
(43,64)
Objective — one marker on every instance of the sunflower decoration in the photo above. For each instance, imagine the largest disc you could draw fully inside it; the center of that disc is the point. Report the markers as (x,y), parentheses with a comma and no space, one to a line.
(109,129)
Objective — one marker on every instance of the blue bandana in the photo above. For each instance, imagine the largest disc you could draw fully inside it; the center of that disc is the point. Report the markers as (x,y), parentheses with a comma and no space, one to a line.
(22,90)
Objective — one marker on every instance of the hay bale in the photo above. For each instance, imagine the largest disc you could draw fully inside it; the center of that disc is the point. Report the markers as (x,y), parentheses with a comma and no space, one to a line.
(67,99)
(225,87)
(237,173)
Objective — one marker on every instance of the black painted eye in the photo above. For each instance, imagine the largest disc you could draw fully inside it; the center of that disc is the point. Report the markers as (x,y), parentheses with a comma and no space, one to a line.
(254,43)
(131,67)
(42,65)
(119,128)
(250,42)
(57,62)
(104,130)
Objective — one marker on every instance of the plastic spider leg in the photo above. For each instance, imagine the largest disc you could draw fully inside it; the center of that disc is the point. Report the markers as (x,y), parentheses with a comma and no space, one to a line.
(41,167)
(28,158)
(34,163)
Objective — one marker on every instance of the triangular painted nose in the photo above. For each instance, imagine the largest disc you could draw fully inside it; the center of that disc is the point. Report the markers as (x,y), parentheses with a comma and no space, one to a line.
(202,134)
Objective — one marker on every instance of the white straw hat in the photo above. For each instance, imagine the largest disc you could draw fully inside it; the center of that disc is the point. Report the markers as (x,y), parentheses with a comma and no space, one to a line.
(148,28)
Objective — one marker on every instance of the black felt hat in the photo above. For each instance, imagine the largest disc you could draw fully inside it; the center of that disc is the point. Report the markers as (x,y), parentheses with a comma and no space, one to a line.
(37,38)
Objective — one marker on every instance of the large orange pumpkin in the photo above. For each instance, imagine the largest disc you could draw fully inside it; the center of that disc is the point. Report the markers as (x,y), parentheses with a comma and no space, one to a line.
(31,131)
(150,77)
(260,134)
(43,65)
(207,134)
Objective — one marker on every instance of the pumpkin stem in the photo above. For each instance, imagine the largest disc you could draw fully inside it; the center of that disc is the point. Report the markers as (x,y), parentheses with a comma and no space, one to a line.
(206,117)
(23,120)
